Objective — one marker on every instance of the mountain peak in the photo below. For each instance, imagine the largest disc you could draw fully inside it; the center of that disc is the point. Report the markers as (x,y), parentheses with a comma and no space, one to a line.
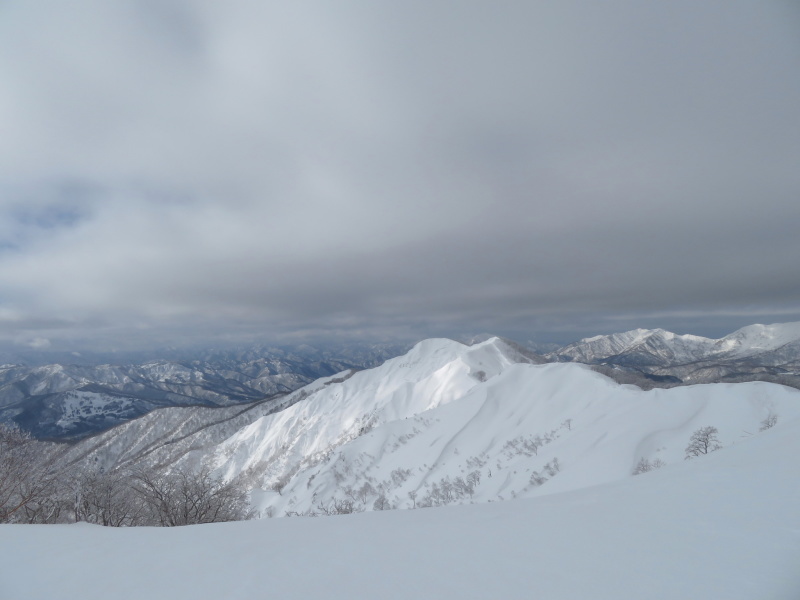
(759,338)
(660,352)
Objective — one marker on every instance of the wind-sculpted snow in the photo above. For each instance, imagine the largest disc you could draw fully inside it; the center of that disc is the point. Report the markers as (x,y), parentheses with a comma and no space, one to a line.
(451,424)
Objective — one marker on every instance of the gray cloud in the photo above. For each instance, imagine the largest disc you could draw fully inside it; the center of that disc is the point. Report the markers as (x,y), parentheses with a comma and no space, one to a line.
(176,171)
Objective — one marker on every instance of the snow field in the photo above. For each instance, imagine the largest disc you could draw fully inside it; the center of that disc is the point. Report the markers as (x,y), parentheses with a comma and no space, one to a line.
(723,526)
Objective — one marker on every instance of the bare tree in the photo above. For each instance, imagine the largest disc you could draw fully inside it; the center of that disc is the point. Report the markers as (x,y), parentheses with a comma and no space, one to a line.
(399,476)
(381,503)
(703,441)
(448,490)
(187,497)
(27,482)
(473,481)
(537,478)
(108,499)
(338,507)
(364,492)
(461,488)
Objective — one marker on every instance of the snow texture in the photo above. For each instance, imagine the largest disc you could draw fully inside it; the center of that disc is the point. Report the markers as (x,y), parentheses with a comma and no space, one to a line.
(722,526)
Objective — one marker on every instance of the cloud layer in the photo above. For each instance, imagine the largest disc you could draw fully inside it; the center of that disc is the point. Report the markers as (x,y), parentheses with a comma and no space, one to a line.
(178,171)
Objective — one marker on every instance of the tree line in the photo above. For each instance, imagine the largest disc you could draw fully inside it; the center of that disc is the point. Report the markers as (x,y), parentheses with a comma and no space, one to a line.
(34,489)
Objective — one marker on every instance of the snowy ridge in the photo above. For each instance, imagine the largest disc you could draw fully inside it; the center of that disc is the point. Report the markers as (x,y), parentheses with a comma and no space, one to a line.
(755,339)
(165,435)
(657,347)
(450,424)
(434,372)
(653,346)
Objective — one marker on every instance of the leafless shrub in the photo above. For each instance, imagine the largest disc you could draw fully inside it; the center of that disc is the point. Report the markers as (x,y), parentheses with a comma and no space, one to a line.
(644,465)
(769,422)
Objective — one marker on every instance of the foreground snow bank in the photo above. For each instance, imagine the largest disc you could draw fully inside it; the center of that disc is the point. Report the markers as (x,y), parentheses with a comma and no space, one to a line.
(724,526)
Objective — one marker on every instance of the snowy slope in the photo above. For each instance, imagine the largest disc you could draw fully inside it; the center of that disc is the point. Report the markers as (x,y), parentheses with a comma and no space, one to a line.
(163,436)
(433,373)
(640,347)
(451,424)
(723,526)
(760,339)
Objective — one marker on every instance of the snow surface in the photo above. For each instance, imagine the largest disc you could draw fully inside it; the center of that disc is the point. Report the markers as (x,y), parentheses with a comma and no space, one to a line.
(725,526)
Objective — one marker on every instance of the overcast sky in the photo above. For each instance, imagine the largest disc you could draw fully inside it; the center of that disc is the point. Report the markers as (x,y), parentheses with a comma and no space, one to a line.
(193,171)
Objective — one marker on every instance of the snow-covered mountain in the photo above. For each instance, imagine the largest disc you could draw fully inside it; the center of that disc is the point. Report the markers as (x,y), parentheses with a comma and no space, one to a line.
(657,347)
(448,423)
(753,353)
(72,401)
(639,347)
(776,343)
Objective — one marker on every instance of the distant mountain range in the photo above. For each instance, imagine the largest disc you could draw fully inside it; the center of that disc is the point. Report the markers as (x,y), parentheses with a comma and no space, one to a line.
(70,402)
(754,353)
(63,401)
